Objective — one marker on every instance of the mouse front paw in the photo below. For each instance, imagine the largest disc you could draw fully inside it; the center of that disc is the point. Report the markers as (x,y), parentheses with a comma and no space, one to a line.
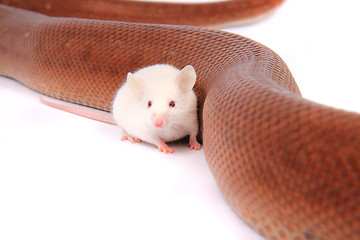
(193,143)
(131,139)
(163,147)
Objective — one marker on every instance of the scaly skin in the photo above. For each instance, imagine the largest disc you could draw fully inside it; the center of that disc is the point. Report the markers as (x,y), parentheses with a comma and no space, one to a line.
(289,167)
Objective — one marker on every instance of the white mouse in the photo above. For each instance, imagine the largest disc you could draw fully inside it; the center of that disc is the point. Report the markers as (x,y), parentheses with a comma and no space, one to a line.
(157,104)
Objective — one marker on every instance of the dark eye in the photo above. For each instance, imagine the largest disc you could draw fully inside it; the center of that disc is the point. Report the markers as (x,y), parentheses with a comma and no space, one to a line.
(172,104)
(149,104)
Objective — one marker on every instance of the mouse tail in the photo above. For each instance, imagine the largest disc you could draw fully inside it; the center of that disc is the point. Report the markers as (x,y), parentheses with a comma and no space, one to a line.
(80,110)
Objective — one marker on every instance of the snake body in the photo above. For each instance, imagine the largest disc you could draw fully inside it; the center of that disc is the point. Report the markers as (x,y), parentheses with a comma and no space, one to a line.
(288,166)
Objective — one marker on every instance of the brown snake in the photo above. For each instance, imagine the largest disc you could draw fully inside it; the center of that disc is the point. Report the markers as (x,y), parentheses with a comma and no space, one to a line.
(289,167)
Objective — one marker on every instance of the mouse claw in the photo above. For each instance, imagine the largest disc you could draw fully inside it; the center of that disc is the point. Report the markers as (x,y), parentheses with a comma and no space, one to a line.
(124,138)
(195,147)
(131,139)
(163,147)
(193,143)
(166,150)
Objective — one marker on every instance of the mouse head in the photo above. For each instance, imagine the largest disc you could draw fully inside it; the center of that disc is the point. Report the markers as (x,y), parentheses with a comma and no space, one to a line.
(165,94)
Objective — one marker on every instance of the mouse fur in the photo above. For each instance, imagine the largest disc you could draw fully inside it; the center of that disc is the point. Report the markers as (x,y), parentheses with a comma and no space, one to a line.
(157,104)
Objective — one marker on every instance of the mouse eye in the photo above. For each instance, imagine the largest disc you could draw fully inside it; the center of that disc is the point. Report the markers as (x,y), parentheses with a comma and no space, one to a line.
(172,104)
(149,103)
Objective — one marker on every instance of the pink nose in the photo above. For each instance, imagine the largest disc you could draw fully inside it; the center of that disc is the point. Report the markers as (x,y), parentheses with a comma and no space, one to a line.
(158,122)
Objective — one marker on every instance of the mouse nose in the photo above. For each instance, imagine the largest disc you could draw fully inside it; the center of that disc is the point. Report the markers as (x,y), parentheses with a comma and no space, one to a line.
(160,120)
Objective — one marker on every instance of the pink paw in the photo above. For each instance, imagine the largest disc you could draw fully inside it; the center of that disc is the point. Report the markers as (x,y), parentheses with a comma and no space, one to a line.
(194,145)
(131,139)
(164,148)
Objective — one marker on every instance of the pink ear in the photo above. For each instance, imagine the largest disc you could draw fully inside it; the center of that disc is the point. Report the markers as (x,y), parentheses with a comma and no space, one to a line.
(135,84)
(187,78)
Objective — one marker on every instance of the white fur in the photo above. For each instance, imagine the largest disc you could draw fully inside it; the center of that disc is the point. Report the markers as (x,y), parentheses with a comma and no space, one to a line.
(159,84)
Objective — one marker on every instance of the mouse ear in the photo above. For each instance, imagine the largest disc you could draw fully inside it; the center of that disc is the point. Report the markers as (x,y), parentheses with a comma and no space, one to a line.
(135,84)
(187,78)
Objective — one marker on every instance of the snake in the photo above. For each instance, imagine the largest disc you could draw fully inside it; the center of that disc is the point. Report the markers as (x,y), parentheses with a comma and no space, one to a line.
(289,167)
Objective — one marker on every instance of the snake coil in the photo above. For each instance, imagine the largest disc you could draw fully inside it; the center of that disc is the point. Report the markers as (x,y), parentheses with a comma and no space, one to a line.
(288,166)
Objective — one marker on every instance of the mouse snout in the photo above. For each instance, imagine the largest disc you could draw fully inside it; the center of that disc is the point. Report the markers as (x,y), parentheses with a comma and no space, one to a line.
(160,120)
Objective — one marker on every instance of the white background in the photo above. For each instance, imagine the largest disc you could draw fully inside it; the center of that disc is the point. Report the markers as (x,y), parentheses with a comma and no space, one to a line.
(67,177)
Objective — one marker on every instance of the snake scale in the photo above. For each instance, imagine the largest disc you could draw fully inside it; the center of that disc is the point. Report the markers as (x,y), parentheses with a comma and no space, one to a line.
(288,166)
